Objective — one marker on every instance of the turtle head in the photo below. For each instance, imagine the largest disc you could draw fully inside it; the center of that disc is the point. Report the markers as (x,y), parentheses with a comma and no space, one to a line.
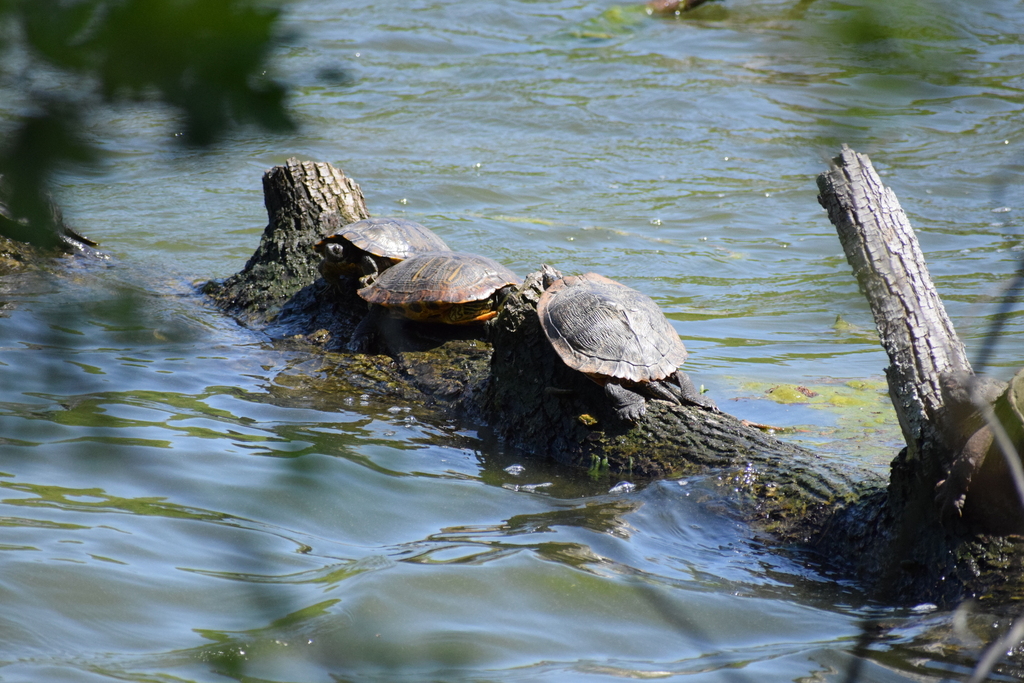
(334,251)
(549,275)
(337,261)
(331,248)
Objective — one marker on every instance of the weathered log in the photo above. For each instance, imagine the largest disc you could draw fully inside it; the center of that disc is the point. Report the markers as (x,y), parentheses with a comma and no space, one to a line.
(939,403)
(523,390)
(280,292)
(891,537)
(912,323)
(534,402)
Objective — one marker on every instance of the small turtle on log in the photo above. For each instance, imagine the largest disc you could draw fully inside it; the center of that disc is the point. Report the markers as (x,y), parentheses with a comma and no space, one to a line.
(369,247)
(617,337)
(448,287)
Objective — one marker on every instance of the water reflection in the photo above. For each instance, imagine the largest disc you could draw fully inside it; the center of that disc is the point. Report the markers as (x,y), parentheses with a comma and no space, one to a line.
(376,545)
(226,524)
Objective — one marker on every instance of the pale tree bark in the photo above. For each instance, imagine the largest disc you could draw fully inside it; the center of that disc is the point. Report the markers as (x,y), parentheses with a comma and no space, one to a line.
(913,327)
(949,490)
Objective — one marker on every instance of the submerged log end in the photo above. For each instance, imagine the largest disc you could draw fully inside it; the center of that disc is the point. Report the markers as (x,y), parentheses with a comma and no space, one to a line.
(667,7)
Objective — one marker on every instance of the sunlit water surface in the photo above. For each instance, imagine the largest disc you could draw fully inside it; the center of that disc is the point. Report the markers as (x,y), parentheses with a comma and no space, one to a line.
(172,510)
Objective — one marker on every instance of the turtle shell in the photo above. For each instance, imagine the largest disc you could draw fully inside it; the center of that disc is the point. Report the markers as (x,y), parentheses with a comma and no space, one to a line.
(395,239)
(441,286)
(609,331)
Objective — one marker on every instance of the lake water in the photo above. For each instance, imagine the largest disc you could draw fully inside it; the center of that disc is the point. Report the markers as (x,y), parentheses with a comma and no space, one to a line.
(172,508)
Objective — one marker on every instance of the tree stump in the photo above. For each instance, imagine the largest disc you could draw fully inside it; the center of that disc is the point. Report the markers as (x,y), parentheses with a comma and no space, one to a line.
(939,402)
(912,323)
(279,288)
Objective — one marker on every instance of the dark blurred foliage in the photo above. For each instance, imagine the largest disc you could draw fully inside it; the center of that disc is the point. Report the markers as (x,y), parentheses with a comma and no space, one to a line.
(63,59)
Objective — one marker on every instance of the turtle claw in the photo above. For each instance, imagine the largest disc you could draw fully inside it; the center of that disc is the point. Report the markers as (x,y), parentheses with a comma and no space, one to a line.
(951,492)
(359,343)
(678,389)
(690,393)
(628,405)
(951,504)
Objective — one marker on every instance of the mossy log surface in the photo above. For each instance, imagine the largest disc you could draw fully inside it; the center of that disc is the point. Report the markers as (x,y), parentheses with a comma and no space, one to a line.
(16,256)
(507,377)
(278,288)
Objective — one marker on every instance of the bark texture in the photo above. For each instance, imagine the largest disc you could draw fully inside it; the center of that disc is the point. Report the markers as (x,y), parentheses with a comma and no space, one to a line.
(305,201)
(912,323)
(915,542)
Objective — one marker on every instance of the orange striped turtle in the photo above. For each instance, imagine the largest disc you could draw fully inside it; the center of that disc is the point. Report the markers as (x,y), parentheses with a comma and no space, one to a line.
(443,287)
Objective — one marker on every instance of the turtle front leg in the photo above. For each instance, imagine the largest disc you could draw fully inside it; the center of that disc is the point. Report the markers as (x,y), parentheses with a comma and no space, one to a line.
(628,405)
(370,269)
(951,492)
(678,388)
(364,337)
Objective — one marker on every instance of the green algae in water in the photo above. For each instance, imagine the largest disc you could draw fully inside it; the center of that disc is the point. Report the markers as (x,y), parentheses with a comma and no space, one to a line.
(614,21)
(847,417)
